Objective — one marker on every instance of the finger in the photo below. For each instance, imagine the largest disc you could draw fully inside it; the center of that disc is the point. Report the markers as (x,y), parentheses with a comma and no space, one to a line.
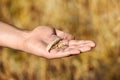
(64,35)
(82,42)
(72,51)
(64,53)
(84,48)
(82,45)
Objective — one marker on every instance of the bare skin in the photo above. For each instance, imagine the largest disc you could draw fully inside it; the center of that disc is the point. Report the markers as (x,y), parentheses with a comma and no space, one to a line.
(36,41)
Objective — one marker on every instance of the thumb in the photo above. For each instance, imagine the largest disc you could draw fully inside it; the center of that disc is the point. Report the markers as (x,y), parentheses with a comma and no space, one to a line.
(53,38)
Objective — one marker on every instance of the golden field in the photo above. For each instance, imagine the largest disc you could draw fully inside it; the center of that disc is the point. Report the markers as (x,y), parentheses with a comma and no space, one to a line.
(97,20)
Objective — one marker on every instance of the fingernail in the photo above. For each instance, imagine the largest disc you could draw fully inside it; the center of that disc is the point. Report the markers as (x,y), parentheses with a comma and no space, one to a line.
(93,44)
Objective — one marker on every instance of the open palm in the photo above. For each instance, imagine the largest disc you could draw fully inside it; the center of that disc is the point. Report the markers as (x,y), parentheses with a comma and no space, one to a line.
(38,39)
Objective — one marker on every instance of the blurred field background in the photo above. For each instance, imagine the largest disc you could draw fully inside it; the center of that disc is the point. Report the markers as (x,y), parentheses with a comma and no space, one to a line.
(98,20)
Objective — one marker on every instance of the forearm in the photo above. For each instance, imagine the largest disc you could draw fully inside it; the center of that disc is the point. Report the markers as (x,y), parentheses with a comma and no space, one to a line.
(10,36)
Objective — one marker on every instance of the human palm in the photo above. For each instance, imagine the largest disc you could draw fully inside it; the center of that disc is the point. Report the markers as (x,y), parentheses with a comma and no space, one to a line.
(38,40)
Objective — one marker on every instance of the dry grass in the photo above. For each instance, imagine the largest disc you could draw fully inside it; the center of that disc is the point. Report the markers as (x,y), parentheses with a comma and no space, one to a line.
(98,20)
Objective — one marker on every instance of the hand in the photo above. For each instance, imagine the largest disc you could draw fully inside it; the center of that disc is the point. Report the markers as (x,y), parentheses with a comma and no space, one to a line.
(37,40)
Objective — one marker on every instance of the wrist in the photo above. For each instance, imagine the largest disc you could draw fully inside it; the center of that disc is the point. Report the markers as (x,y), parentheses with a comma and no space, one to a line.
(23,35)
